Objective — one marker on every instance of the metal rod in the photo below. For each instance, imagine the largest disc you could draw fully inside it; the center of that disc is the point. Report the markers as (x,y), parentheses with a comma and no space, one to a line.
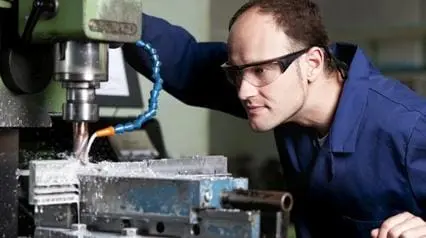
(80,135)
(258,200)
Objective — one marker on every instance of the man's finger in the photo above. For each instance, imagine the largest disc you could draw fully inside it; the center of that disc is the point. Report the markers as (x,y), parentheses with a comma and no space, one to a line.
(375,233)
(399,229)
(393,221)
(419,231)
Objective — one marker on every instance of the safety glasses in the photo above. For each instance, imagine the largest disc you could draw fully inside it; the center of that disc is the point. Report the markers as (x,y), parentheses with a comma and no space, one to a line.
(261,73)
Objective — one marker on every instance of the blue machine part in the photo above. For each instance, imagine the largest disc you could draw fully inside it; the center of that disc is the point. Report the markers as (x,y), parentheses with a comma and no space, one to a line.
(230,224)
(178,197)
(171,197)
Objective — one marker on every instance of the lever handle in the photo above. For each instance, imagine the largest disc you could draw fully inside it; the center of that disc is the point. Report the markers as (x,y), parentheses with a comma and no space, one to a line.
(39,8)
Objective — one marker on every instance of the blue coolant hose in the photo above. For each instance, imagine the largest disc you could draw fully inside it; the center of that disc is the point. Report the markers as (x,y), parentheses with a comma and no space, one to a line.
(155,92)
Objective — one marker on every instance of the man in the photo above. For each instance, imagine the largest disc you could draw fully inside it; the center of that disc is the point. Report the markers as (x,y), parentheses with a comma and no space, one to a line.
(351,142)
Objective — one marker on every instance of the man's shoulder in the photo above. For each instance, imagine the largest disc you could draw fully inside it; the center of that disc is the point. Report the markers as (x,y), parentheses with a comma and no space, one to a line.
(392,106)
(393,96)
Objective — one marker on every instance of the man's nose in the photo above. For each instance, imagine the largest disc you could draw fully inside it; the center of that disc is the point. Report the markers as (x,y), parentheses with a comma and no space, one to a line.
(246,90)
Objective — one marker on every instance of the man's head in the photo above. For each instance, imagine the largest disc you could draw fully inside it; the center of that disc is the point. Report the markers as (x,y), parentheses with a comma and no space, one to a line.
(273,84)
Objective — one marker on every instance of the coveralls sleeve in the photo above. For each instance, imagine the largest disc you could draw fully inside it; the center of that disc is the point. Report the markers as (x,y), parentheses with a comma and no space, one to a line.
(191,70)
(416,163)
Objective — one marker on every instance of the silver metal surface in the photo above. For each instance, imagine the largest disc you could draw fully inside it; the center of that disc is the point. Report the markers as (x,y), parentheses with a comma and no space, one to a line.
(80,104)
(82,232)
(81,62)
(81,67)
(212,223)
(56,181)
(197,165)
(53,182)
(55,216)
(22,111)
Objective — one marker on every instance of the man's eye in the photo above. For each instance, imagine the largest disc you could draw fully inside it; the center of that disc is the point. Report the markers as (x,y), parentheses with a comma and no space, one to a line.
(258,70)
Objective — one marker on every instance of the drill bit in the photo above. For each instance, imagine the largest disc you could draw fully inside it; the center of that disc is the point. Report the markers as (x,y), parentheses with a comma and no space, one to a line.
(80,139)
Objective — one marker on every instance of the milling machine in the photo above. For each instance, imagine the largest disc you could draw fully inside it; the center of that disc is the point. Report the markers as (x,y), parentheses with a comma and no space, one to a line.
(60,39)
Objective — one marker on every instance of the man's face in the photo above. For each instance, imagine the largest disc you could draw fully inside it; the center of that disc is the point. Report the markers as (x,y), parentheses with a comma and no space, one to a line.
(269,95)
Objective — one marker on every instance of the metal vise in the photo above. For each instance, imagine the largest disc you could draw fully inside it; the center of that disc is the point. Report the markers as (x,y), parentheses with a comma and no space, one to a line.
(188,197)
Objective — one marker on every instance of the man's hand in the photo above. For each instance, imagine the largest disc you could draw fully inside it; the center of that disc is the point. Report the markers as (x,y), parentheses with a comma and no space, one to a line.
(403,225)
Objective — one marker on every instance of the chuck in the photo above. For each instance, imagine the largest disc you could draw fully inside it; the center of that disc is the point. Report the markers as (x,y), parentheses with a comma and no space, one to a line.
(81,67)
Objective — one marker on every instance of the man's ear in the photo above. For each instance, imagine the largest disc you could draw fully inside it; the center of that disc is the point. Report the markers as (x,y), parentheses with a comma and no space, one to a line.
(315,59)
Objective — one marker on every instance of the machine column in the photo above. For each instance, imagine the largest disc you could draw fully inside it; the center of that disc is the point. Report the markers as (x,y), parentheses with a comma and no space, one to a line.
(9,159)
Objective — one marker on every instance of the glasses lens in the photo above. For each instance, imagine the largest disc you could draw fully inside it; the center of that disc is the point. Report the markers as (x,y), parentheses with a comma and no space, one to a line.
(258,75)
(261,75)
(233,75)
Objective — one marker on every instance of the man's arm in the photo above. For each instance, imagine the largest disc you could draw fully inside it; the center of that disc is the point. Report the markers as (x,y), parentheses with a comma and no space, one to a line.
(190,70)
(416,163)
(407,224)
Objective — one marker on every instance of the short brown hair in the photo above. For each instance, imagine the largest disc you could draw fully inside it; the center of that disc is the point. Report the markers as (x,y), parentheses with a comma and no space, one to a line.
(300,20)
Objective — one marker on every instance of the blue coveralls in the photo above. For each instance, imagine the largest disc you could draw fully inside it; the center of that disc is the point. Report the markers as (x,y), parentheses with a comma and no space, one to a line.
(372,165)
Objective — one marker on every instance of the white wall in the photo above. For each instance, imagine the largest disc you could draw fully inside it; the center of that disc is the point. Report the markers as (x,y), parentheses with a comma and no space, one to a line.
(363,19)
(398,25)
(185,129)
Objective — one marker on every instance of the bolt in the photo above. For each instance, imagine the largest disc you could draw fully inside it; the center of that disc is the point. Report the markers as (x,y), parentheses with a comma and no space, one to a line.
(129,231)
(207,196)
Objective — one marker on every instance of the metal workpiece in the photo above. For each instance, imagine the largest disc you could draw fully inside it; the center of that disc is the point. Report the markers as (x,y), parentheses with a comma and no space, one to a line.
(58,181)
(81,67)
(53,182)
(272,201)
(197,165)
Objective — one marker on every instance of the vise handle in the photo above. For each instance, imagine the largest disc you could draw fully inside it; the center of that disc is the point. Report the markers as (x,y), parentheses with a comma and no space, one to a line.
(258,200)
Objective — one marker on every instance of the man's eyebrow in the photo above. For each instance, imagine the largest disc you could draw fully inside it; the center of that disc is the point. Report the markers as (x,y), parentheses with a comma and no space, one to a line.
(254,63)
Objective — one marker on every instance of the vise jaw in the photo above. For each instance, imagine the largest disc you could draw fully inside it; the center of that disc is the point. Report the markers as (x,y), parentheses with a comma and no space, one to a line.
(162,198)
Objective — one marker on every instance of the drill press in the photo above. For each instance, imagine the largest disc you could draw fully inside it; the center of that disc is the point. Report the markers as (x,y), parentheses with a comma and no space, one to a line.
(67,40)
